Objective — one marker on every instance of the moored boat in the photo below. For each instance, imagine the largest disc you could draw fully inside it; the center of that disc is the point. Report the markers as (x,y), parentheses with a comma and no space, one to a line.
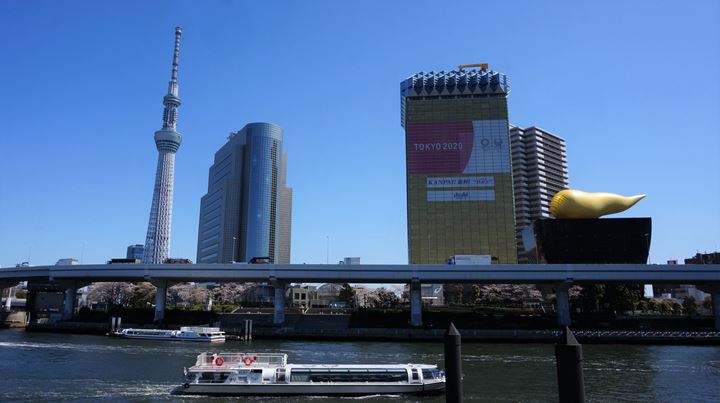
(269,374)
(186,333)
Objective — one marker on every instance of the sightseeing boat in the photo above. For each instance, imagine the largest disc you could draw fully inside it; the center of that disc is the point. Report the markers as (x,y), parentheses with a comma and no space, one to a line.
(269,374)
(187,333)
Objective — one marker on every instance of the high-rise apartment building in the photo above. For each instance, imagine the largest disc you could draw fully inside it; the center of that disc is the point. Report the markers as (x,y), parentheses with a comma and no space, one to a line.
(167,141)
(539,164)
(285,228)
(459,181)
(135,252)
(240,216)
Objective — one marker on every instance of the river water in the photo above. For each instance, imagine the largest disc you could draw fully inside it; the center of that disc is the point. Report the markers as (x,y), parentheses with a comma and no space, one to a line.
(57,367)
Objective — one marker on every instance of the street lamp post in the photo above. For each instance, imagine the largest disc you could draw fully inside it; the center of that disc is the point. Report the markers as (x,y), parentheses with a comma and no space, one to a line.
(234,249)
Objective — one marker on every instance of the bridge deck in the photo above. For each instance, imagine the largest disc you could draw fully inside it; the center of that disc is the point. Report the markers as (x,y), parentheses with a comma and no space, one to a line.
(534,274)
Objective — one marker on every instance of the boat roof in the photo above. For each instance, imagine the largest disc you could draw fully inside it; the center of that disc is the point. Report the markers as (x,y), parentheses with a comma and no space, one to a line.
(312,367)
(200,329)
(233,361)
(359,366)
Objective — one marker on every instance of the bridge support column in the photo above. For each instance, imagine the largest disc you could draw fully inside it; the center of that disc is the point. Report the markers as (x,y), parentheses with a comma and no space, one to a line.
(69,305)
(160,300)
(562,297)
(415,303)
(279,306)
(8,301)
(715,296)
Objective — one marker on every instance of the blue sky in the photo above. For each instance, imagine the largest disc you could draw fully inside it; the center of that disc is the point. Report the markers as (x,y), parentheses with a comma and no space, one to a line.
(633,87)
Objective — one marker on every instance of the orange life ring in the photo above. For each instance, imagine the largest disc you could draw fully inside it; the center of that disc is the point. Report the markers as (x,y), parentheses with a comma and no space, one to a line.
(247,361)
(219,361)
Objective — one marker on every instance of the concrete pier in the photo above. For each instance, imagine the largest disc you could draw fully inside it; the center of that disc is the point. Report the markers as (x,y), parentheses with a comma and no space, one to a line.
(415,303)
(715,296)
(279,317)
(562,296)
(8,301)
(160,298)
(69,305)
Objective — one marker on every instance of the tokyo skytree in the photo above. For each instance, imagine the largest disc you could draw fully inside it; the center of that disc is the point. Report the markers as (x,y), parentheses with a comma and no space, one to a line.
(167,140)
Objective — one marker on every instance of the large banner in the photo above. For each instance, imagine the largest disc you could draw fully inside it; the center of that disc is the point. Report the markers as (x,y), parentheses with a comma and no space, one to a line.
(462,149)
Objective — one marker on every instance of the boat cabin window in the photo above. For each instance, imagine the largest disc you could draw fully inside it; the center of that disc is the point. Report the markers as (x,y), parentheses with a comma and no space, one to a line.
(213,377)
(255,376)
(280,375)
(299,375)
(348,375)
(431,373)
(415,374)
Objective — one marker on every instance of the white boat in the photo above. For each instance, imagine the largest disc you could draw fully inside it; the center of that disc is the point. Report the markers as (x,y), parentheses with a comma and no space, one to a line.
(269,374)
(187,333)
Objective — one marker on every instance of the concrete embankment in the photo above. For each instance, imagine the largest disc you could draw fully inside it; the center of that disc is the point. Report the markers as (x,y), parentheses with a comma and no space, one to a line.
(13,319)
(487,336)
(338,327)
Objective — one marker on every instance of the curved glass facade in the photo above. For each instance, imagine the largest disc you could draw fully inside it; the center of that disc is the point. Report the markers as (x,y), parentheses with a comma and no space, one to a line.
(241,213)
(261,191)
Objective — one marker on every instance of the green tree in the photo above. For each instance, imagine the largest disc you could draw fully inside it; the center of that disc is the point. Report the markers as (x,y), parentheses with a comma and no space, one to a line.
(690,306)
(677,308)
(623,297)
(707,303)
(591,296)
(347,295)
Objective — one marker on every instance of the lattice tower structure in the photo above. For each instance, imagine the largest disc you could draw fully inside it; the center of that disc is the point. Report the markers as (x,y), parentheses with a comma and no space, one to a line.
(167,140)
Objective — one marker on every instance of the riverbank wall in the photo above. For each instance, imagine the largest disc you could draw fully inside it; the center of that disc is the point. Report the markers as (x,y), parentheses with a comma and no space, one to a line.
(15,319)
(338,327)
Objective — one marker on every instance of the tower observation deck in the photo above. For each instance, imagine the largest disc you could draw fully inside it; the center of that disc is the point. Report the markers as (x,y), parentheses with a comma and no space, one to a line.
(167,140)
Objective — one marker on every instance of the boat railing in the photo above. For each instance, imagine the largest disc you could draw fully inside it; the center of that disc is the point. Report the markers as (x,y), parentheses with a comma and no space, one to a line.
(199,329)
(225,360)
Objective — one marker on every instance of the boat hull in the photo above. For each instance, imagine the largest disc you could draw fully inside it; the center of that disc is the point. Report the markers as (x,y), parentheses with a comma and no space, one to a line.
(172,338)
(310,389)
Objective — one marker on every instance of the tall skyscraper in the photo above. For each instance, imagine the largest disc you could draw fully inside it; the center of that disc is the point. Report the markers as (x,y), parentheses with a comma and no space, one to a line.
(459,181)
(240,216)
(285,216)
(539,164)
(167,140)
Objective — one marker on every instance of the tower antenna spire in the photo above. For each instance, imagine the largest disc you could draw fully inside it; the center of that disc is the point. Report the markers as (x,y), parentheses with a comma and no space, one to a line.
(173,85)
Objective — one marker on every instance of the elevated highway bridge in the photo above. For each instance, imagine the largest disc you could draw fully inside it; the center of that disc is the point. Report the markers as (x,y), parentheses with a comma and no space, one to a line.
(559,276)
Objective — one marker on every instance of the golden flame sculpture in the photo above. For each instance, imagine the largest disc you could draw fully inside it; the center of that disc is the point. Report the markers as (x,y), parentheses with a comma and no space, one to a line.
(571,203)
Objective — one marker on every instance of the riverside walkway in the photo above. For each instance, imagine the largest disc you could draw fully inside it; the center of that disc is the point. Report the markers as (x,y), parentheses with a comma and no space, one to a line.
(559,276)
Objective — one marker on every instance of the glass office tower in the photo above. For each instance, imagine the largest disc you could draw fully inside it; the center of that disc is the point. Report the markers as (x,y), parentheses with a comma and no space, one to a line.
(459,180)
(240,214)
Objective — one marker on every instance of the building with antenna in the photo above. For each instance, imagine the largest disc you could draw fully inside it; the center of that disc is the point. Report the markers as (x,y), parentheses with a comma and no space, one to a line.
(244,214)
(459,180)
(167,140)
